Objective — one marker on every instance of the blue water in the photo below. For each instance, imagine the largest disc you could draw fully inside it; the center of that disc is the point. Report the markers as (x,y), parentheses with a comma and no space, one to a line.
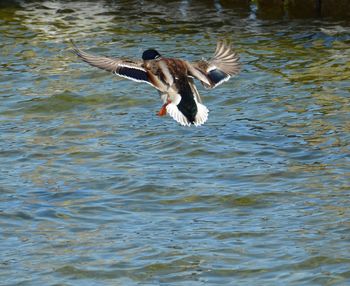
(95,189)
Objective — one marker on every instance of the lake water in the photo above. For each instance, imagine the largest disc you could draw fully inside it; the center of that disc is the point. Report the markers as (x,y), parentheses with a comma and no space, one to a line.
(95,189)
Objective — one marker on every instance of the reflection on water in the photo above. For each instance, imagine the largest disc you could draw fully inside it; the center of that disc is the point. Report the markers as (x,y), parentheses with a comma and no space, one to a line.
(96,189)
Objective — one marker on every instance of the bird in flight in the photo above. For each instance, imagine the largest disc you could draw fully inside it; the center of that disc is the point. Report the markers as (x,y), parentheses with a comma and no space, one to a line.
(173,78)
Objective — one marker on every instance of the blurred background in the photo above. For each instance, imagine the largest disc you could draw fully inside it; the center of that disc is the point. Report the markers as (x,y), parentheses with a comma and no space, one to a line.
(95,189)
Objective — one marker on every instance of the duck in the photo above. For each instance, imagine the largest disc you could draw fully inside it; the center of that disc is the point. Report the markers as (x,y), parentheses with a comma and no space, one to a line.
(173,77)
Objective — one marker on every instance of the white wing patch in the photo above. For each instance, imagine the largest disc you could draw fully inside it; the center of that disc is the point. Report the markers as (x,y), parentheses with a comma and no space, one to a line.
(131,66)
(211,67)
(221,81)
(133,79)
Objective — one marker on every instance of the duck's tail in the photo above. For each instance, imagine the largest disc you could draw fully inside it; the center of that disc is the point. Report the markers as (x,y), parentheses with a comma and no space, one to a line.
(199,119)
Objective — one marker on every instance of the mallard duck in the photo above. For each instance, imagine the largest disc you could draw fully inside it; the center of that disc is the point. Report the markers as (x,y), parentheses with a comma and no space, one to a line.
(173,78)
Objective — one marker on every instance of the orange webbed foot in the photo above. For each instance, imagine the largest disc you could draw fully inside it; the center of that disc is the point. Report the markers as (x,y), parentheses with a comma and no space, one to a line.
(162,111)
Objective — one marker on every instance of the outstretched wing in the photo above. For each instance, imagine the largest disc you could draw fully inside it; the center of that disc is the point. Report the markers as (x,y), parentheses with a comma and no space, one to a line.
(130,69)
(223,65)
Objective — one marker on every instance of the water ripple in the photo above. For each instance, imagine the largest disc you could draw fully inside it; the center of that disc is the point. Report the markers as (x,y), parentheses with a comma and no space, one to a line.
(97,189)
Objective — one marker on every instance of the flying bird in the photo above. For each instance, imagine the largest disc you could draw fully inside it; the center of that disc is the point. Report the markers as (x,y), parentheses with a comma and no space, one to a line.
(173,78)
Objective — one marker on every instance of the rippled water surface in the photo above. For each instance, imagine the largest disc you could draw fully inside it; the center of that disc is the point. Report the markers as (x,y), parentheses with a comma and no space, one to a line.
(95,189)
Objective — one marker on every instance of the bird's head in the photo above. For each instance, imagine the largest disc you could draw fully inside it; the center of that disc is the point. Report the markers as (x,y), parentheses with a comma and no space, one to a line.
(150,55)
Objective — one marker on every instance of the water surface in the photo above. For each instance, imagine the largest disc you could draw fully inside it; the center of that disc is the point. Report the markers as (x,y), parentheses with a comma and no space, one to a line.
(98,190)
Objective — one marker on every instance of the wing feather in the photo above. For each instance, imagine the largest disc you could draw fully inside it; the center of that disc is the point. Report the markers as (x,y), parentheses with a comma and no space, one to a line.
(130,69)
(223,65)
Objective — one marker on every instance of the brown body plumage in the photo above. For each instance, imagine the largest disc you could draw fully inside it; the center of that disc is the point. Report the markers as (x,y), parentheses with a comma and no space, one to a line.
(173,78)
